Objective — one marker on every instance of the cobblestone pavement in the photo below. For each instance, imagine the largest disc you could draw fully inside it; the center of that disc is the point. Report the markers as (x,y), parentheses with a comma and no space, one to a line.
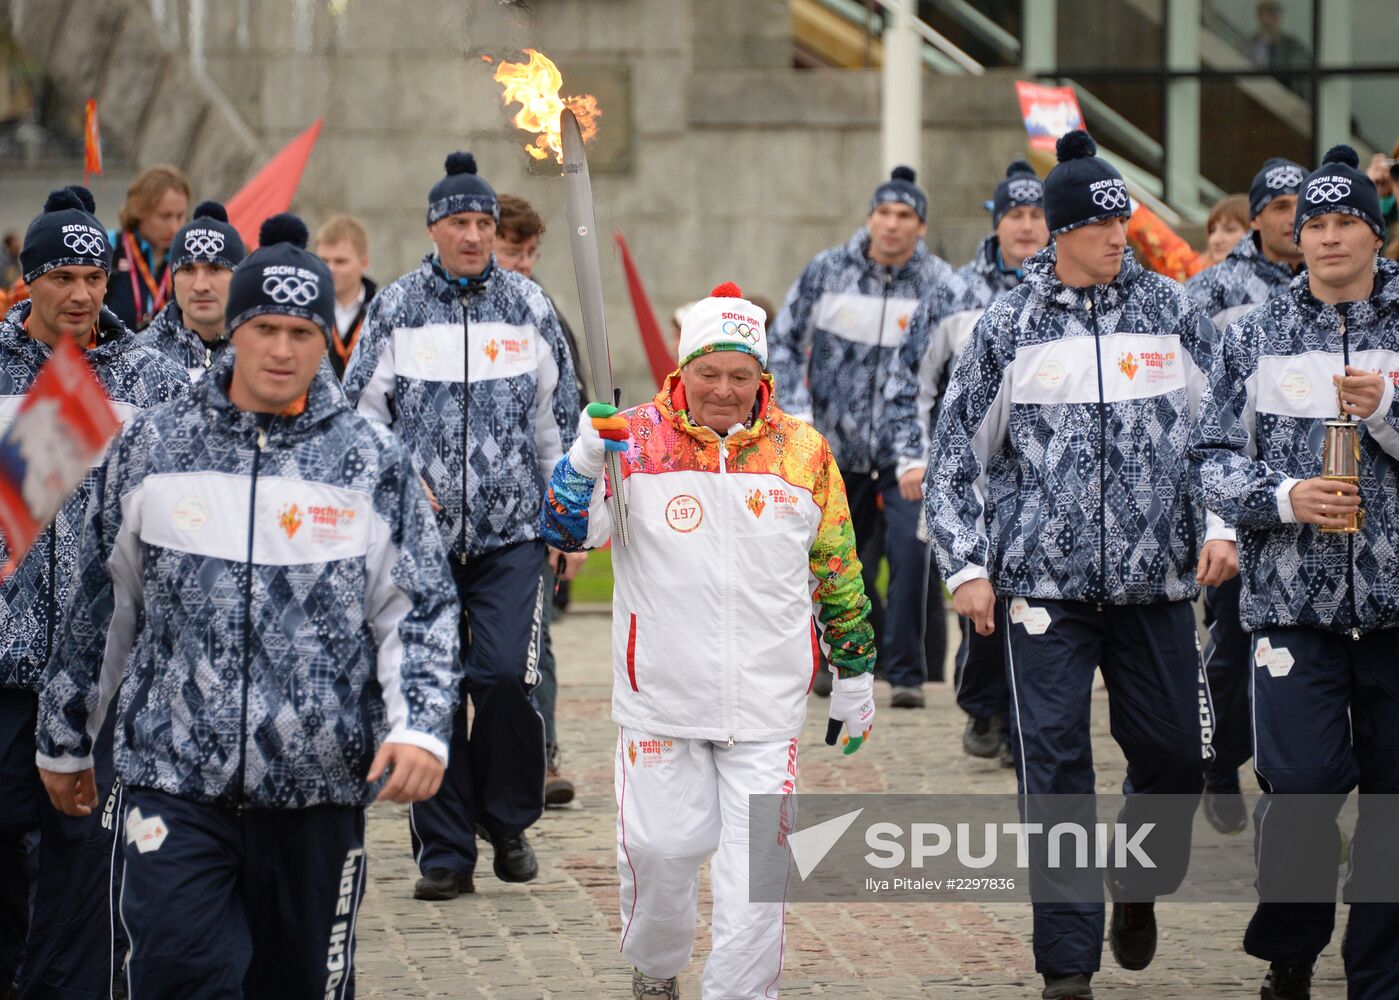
(557,936)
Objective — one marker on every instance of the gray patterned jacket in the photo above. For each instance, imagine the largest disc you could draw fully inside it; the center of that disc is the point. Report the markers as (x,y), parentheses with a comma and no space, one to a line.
(271,598)
(1242,280)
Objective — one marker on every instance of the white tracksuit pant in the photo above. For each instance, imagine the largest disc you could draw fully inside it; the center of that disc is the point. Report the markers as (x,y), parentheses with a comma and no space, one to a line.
(678,802)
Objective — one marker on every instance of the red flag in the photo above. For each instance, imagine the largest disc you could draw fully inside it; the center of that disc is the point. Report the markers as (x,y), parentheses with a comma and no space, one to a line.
(658,356)
(92,141)
(57,435)
(1048,112)
(272,188)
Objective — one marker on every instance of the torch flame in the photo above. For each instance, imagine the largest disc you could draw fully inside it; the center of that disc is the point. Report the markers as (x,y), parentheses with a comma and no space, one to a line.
(535,87)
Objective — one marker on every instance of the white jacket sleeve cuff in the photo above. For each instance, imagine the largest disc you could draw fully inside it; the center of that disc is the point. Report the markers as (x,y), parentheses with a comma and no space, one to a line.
(1285,501)
(1376,420)
(966,574)
(64,765)
(906,465)
(1217,530)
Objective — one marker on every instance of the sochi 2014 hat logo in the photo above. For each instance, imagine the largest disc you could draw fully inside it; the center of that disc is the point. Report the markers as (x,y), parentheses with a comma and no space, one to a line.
(1287,176)
(203,242)
(84,240)
(1109,195)
(1328,190)
(1025,189)
(292,286)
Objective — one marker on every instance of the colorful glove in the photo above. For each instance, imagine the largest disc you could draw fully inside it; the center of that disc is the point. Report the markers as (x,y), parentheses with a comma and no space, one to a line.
(600,430)
(852,706)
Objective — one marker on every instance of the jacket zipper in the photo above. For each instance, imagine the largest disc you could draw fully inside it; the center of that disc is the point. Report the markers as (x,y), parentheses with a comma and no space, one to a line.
(1350,538)
(1102,457)
(724,561)
(465,408)
(259,444)
(875,382)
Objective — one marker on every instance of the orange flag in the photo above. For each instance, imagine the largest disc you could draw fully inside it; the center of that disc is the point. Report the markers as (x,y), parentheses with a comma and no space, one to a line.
(92,153)
(272,188)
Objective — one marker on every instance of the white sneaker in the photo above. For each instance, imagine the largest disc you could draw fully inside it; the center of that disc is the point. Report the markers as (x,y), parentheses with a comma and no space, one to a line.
(651,988)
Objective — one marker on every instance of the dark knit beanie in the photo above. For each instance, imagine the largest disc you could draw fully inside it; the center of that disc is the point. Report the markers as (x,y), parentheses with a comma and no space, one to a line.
(207,238)
(901,188)
(1083,188)
(1020,186)
(461,190)
(65,234)
(1278,178)
(1339,186)
(282,278)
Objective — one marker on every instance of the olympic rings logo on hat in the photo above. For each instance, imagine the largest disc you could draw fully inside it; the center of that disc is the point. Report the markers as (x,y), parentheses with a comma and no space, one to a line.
(744,330)
(1328,190)
(1025,190)
(1110,199)
(291,289)
(203,244)
(85,244)
(1283,177)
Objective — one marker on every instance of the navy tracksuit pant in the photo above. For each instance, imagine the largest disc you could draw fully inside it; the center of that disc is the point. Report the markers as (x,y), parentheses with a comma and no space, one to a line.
(1158,707)
(59,875)
(982,691)
(223,904)
(1326,720)
(495,769)
(1226,666)
(910,628)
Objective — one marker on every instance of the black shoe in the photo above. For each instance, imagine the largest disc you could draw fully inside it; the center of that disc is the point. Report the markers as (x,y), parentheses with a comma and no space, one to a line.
(514,858)
(1006,755)
(443,883)
(1224,803)
(1287,982)
(821,687)
(982,737)
(1132,935)
(1075,987)
(907,697)
(558,790)
(651,988)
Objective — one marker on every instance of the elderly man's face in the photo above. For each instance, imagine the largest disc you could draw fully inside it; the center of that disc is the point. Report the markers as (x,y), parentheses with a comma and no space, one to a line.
(721,388)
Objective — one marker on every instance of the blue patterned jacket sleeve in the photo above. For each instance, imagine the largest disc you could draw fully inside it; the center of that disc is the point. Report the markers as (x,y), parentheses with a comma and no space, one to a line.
(99,622)
(789,343)
(1234,483)
(412,605)
(364,361)
(556,414)
(971,428)
(566,522)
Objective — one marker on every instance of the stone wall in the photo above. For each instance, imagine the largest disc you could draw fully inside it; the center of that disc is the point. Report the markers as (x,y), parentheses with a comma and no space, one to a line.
(740,167)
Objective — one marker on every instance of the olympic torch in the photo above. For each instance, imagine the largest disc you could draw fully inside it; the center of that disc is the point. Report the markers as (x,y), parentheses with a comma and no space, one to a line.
(578,199)
(1340,461)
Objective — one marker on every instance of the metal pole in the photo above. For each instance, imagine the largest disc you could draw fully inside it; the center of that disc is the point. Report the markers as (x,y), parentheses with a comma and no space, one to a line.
(901,135)
(1039,36)
(1333,93)
(1182,146)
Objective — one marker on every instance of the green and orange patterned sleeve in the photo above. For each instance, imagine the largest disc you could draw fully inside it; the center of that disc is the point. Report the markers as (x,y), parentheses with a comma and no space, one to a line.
(840,589)
(1160,248)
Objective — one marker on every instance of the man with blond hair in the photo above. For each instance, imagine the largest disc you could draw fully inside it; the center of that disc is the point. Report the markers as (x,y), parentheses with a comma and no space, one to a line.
(343,245)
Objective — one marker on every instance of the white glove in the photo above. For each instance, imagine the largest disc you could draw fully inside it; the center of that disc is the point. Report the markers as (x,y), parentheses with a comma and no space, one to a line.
(852,706)
(591,447)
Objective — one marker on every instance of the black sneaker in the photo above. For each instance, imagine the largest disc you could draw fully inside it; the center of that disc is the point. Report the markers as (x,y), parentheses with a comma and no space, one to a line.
(558,790)
(1287,982)
(1224,803)
(1132,935)
(514,858)
(442,884)
(982,737)
(1006,756)
(821,687)
(1075,987)
(907,697)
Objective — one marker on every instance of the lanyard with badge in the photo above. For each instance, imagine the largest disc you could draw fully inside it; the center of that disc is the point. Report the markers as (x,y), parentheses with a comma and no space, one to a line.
(159,293)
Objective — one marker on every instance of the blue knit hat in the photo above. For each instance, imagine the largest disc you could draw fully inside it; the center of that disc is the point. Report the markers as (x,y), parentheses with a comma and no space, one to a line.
(65,234)
(207,238)
(462,190)
(901,189)
(1083,188)
(1277,179)
(1020,186)
(1339,186)
(282,278)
